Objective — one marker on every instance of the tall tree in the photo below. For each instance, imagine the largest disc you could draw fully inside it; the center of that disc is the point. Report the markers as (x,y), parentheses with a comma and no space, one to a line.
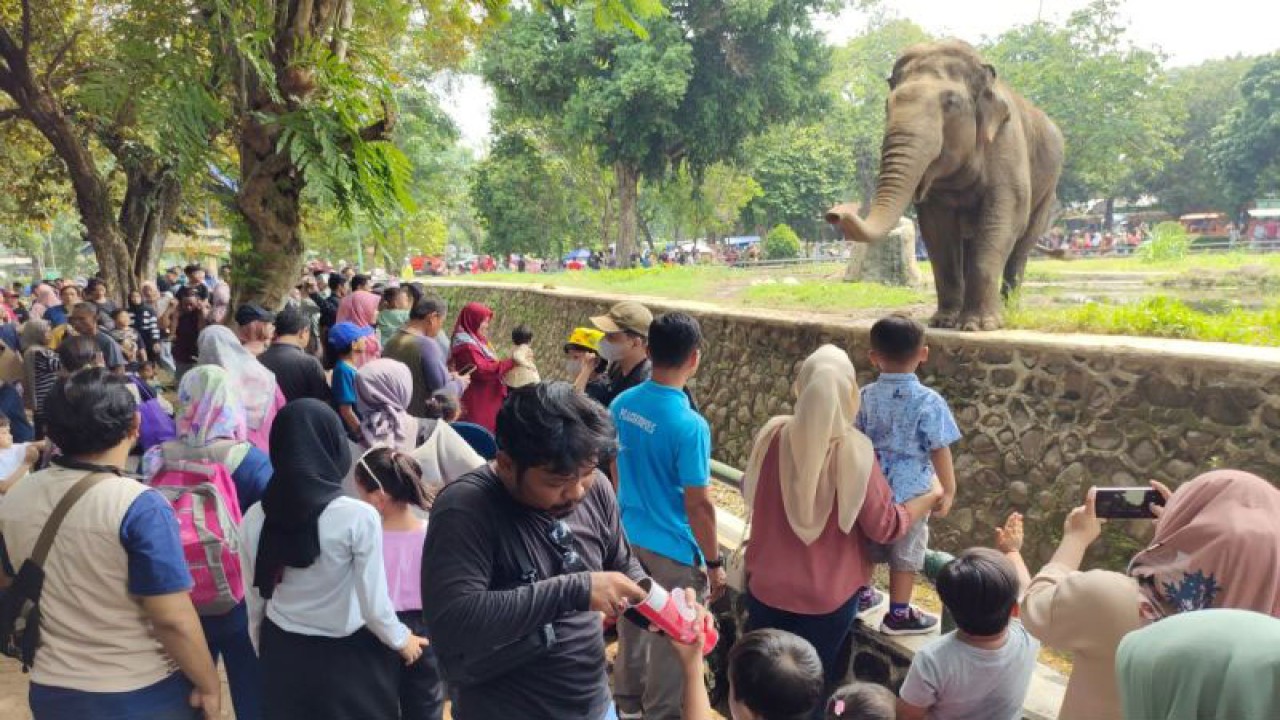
(1246,145)
(801,170)
(118,90)
(707,76)
(1111,99)
(1208,91)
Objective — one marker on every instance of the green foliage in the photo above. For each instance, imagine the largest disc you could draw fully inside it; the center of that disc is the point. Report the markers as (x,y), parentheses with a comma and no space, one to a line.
(1155,317)
(781,243)
(803,170)
(1169,242)
(681,208)
(1190,183)
(1246,145)
(1112,100)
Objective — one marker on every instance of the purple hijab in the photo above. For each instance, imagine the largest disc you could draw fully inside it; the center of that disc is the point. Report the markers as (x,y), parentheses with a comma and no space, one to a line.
(383,390)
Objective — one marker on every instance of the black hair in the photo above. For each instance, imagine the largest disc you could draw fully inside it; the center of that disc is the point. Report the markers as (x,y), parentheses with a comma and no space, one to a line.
(390,294)
(147,364)
(358,282)
(553,426)
(86,308)
(93,284)
(78,352)
(122,309)
(862,701)
(777,675)
(980,588)
(673,338)
(4,421)
(428,305)
(415,291)
(290,322)
(336,280)
(897,337)
(193,267)
(521,335)
(442,406)
(90,411)
(395,473)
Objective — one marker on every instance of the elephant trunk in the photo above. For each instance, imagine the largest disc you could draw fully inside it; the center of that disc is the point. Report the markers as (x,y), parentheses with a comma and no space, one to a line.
(903,162)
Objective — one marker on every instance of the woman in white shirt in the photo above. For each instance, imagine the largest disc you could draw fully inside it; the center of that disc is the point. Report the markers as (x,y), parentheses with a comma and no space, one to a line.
(319,611)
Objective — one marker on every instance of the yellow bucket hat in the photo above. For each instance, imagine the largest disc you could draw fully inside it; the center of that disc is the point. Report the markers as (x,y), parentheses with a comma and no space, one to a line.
(586,338)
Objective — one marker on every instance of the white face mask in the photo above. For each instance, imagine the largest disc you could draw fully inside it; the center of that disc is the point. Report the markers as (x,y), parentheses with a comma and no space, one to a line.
(611,352)
(573,366)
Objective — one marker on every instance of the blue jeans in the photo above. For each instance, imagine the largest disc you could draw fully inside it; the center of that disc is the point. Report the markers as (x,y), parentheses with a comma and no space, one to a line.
(826,633)
(228,638)
(169,699)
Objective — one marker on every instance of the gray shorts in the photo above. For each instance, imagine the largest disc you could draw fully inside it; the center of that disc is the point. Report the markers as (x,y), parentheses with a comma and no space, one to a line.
(906,554)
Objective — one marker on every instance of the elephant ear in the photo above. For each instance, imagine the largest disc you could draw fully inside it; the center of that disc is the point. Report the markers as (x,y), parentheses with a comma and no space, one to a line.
(993,107)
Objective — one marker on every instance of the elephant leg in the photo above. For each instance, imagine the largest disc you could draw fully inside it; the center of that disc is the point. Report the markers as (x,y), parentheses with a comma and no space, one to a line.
(1037,226)
(940,229)
(985,257)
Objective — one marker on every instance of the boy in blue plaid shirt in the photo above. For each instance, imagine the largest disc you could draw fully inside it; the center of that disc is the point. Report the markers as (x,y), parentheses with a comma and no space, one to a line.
(912,430)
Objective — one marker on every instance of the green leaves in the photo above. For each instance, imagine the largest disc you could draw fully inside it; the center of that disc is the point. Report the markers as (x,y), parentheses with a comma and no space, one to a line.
(1246,145)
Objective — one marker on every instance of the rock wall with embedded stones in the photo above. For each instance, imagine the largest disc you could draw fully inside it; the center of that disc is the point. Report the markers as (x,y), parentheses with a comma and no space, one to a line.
(1043,417)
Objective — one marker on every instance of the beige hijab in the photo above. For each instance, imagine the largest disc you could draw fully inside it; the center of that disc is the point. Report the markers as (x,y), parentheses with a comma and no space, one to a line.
(824,461)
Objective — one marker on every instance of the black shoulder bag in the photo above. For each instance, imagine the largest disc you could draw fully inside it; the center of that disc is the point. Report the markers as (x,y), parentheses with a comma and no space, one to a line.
(20,604)
(492,663)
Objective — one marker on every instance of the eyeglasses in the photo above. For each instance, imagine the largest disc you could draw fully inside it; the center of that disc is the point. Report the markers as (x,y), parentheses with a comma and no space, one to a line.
(562,537)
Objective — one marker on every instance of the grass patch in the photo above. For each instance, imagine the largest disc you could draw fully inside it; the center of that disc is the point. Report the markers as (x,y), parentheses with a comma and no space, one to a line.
(1044,269)
(1158,316)
(684,283)
(831,296)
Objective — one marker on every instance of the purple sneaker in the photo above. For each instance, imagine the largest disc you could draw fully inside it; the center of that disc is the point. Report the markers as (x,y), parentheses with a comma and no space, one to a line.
(913,622)
(870,600)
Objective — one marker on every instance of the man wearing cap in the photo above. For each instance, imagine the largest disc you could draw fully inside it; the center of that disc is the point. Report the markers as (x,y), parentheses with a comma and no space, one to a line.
(625,347)
(255,327)
(299,373)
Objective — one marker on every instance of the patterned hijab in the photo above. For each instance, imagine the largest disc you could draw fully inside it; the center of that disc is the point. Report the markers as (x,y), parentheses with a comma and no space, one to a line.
(257,385)
(209,408)
(1216,546)
(383,391)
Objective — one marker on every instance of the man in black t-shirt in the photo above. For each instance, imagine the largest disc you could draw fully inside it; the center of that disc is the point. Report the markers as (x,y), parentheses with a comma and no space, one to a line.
(549,497)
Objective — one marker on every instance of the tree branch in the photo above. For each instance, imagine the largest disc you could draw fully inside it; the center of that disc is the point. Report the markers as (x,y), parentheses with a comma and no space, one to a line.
(381,130)
(59,55)
(26,28)
(9,114)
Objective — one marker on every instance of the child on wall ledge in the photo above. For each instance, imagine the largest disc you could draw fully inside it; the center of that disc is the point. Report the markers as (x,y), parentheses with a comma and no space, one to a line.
(525,371)
(912,430)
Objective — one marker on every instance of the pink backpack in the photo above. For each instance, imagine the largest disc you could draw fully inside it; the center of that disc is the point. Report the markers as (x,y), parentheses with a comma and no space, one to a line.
(203,495)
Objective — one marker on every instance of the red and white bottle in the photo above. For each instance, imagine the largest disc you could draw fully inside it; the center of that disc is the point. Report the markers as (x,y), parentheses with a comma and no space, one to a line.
(672,614)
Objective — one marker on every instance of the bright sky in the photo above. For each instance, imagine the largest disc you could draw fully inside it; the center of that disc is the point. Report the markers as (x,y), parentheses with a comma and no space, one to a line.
(1187,31)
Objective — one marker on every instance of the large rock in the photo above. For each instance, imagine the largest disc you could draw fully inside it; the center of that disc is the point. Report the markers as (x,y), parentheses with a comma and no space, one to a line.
(889,262)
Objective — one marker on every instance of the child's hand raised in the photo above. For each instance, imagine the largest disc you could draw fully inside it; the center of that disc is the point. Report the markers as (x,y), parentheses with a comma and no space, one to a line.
(1009,537)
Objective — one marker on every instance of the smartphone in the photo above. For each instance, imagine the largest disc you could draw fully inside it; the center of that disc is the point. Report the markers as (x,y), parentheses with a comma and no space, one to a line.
(1127,503)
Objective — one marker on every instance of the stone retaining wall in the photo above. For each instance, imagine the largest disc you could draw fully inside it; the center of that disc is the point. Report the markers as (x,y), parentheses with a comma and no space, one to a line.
(1043,417)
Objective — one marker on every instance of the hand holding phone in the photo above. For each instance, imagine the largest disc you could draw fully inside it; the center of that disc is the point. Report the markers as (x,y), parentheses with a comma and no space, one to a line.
(1129,503)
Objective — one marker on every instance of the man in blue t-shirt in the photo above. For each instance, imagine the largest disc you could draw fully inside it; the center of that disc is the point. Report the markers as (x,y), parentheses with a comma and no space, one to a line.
(663,474)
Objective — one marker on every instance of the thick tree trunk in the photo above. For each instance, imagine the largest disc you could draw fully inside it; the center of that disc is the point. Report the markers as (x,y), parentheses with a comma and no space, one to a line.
(151,199)
(270,199)
(628,192)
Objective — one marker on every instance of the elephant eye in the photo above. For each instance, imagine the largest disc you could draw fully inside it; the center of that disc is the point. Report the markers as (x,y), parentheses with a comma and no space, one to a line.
(950,101)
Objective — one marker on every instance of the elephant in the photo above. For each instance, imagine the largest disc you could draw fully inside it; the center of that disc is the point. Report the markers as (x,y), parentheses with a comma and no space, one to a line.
(981,164)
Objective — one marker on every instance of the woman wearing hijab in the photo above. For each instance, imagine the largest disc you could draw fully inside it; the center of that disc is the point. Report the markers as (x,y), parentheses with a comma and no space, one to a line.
(257,385)
(383,390)
(1216,545)
(361,309)
(212,427)
(48,306)
(319,610)
(1210,665)
(471,353)
(40,368)
(817,497)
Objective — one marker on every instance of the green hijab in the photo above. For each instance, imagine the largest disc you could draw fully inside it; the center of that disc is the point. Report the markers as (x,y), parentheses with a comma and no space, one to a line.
(1202,665)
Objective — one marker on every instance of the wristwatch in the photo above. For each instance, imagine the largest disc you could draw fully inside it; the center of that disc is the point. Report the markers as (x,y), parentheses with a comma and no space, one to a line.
(715,564)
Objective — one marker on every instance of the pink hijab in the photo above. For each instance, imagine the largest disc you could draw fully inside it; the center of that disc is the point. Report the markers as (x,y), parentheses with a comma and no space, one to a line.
(1216,546)
(361,308)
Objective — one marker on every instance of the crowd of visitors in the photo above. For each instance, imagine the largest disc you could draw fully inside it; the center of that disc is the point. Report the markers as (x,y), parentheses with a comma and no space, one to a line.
(363,516)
